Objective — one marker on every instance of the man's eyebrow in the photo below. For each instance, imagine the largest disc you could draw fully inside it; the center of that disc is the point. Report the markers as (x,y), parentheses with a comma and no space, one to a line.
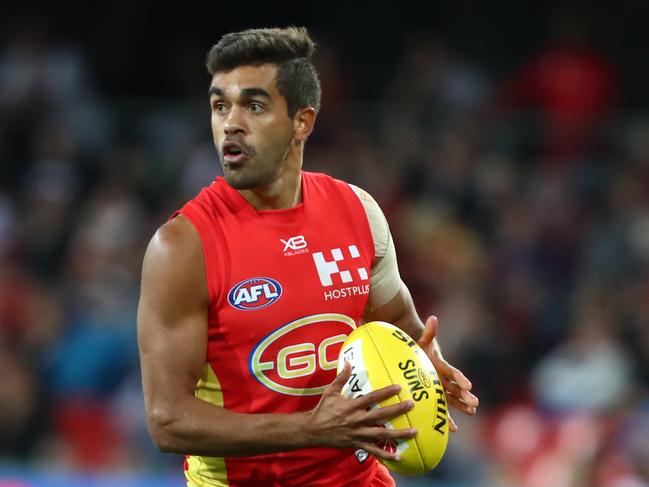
(214,90)
(245,93)
(254,92)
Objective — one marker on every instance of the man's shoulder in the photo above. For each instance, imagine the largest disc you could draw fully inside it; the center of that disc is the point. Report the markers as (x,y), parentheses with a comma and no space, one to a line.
(172,270)
(174,241)
(176,230)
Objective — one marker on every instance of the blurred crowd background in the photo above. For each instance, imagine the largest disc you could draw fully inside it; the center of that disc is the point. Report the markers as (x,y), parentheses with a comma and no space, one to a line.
(508,147)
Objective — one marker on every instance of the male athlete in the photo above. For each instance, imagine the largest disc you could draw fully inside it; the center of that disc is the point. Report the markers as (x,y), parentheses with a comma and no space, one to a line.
(250,289)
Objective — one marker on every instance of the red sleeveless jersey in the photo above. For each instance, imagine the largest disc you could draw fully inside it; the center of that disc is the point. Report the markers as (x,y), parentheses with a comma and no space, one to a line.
(285,288)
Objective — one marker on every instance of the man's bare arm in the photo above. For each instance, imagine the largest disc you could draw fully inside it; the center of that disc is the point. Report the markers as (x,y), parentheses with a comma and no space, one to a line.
(172,337)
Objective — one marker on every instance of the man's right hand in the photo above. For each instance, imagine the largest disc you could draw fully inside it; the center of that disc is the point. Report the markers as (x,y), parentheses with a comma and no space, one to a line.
(340,422)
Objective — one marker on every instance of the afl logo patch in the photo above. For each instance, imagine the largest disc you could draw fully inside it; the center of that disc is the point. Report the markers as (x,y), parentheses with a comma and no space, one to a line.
(255,293)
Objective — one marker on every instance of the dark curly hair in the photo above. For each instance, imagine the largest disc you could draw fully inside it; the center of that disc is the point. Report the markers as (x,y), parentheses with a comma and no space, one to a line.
(289,48)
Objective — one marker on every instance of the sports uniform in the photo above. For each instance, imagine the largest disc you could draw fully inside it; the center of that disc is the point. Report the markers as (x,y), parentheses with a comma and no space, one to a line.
(285,288)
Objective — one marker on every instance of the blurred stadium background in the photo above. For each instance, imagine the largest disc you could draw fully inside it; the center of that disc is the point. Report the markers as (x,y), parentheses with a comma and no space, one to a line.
(508,145)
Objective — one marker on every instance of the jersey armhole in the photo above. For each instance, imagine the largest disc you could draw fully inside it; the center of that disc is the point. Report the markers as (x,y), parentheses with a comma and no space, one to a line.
(377,222)
(385,280)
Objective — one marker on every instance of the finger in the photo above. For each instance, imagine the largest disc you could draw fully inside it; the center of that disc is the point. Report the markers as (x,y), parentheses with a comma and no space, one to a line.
(377,396)
(429,333)
(460,406)
(449,373)
(379,452)
(386,413)
(381,433)
(451,424)
(465,396)
(341,379)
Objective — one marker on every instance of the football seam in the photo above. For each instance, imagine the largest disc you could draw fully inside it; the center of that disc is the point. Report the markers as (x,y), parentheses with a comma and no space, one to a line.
(387,371)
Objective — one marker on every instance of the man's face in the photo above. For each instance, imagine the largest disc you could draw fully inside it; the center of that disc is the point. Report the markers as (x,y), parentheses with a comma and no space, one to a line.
(252,131)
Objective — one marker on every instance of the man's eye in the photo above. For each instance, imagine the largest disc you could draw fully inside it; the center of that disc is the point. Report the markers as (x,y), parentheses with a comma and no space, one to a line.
(218,107)
(256,107)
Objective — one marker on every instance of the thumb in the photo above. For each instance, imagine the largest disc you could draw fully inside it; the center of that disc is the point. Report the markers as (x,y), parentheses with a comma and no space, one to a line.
(341,379)
(430,332)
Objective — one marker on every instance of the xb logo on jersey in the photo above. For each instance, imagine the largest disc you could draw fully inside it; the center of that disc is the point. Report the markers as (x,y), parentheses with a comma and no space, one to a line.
(254,293)
(294,245)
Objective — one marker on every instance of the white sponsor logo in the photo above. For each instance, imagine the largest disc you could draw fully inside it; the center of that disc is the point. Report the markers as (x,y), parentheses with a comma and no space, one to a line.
(295,245)
(345,292)
(329,268)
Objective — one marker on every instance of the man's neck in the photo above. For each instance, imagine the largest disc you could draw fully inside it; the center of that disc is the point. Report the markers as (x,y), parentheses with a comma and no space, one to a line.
(284,192)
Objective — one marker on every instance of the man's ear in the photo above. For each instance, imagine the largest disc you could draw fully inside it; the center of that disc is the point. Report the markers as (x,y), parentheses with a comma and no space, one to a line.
(303,123)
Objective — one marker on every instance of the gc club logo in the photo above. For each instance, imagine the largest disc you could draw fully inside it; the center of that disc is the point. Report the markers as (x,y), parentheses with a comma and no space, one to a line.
(300,358)
(255,293)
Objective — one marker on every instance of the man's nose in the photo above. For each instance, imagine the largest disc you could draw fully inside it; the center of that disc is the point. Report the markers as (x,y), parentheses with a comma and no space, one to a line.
(234,122)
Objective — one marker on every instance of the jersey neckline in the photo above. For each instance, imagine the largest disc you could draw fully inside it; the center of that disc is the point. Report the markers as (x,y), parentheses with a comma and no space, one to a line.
(283,215)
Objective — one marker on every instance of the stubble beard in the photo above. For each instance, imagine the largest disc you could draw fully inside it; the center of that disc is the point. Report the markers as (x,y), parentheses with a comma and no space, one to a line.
(257,171)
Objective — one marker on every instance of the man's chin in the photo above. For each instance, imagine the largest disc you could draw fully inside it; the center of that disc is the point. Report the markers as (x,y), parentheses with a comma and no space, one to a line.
(240,181)
(235,182)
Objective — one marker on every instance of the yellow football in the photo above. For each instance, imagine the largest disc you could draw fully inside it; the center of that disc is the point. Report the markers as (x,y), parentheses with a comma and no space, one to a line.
(381,354)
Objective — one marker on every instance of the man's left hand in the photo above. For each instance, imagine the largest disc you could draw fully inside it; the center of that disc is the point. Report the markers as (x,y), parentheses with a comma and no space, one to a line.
(455,383)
